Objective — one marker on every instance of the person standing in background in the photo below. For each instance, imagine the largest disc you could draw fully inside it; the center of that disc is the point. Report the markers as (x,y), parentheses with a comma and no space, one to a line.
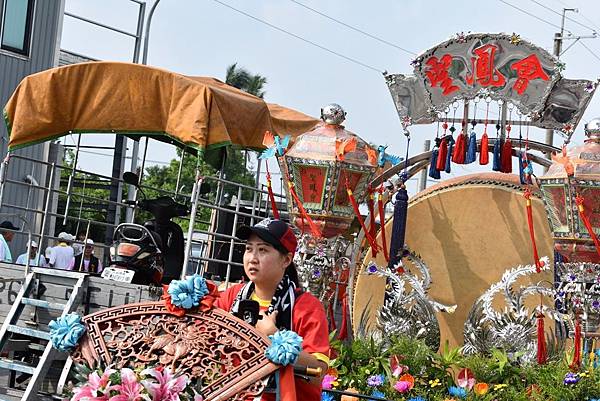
(40,260)
(7,232)
(90,264)
(62,255)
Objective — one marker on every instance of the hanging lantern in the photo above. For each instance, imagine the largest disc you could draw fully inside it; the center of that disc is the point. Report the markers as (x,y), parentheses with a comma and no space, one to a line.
(322,165)
(329,169)
(571,193)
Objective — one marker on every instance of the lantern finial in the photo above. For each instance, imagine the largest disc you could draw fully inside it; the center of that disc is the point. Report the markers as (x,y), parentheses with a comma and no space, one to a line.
(333,114)
(592,129)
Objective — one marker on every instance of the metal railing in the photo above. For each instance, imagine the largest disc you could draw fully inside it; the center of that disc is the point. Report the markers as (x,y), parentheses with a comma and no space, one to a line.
(67,205)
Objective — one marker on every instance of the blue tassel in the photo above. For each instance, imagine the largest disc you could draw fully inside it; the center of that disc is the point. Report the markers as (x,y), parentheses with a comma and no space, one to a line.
(497,156)
(521,171)
(398,227)
(449,154)
(471,149)
(433,172)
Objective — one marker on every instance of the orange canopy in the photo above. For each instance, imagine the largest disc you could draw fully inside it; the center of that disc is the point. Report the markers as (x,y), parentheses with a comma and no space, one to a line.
(132,99)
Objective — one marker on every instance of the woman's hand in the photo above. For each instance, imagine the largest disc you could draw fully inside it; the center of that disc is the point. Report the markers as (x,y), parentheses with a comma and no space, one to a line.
(267,325)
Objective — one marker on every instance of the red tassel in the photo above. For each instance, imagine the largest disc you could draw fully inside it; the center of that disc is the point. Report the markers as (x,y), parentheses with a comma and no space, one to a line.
(344,328)
(484,153)
(271,195)
(371,205)
(538,263)
(506,156)
(586,221)
(442,153)
(360,220)
(313,227)
(460,149)
(382,223)
(577,346)
(331,317)
(542,353)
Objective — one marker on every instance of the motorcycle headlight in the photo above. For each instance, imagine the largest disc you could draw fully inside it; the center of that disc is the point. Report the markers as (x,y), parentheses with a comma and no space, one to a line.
(127,250)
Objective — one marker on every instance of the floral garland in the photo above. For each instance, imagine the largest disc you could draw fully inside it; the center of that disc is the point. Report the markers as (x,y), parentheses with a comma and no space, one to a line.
(156,384)
(195,292)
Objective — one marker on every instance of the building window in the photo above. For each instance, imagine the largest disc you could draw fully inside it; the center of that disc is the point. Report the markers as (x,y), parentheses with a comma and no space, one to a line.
(17,22)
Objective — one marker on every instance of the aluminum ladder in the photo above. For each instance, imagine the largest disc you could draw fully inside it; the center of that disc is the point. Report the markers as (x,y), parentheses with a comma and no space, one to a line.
(74,281)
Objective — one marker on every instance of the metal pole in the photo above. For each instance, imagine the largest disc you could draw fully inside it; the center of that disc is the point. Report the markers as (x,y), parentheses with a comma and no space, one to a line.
(139,32)
(71,176)
(179,172)
(135,150)
(423,176)
(258,166)
(140,175)
(557,50)
(147,36)
(231,241)
(47,206)
(3,170)
(190,234)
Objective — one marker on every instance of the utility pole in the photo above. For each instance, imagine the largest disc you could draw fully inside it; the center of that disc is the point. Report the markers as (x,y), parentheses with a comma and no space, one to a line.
(131,194)
(558,42)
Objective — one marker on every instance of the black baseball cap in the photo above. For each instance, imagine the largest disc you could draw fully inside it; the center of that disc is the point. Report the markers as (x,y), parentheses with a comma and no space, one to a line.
(7,225)
(275,232)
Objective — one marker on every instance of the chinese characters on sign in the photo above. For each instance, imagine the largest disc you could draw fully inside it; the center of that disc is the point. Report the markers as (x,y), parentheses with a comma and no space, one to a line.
(483,71)
(438,73)
(313,182)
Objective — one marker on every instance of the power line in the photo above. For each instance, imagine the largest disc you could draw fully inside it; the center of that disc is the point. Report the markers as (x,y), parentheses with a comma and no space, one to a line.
(533,15)
(566,17)
(589,20)
(590,50)
(354,28)
(299,37)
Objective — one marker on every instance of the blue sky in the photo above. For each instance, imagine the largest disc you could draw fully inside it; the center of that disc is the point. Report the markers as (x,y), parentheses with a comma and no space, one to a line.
(203,37)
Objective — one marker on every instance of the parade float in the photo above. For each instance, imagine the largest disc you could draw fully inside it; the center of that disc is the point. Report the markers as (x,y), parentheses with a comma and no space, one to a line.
(419,292)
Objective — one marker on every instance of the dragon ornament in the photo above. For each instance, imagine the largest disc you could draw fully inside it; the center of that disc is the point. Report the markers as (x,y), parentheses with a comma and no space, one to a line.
(407,309)
(514,330)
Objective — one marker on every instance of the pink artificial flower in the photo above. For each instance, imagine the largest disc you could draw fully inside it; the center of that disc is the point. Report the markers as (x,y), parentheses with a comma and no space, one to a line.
(95,384)
(399,369)
(328,382)
(129,389)
(402,386)
(167,386)
(405,383)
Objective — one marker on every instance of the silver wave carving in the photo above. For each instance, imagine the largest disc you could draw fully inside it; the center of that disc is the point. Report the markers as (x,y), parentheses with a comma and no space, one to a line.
(513,329)
(410,313)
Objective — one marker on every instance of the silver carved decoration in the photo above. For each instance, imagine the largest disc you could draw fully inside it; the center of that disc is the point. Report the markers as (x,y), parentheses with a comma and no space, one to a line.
(411,313)
(551,102)
(513,329)
(578,292)
(565,105)
(321,264)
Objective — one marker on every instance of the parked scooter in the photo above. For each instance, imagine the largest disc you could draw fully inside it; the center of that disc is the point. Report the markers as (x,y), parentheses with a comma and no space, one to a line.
(151,253)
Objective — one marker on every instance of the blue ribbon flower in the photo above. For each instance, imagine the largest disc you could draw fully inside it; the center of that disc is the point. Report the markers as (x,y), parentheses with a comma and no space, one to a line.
(457,392)
(378,394)
(187,293)
(285,347)
(325,396)
(417,398)
(66,331)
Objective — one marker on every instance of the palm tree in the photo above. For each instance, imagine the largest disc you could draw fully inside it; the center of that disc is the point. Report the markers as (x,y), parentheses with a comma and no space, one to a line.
(242,79)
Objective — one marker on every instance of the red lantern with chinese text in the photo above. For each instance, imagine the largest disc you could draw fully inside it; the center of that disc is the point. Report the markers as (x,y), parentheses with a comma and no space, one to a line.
(322,164)
(571,191)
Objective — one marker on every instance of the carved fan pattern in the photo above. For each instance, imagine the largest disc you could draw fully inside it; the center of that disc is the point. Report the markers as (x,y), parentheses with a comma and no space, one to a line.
(214,347)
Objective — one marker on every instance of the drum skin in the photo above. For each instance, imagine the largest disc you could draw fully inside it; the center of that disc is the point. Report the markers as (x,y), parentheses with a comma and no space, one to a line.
(468,230)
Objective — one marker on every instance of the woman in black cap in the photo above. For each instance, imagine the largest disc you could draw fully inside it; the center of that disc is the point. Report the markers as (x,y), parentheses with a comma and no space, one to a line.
(268,263)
